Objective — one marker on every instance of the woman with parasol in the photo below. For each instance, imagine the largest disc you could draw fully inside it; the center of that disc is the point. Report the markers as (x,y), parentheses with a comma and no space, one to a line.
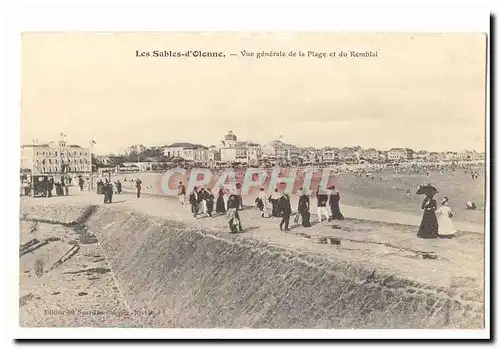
(429,225)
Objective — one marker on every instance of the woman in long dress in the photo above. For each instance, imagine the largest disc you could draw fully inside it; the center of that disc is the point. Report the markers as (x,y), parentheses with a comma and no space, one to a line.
(446,228)
(429,225)
(334,204)
(219,206)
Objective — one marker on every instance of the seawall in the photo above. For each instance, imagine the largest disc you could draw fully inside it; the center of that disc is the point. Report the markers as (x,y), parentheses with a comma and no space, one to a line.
(183,275)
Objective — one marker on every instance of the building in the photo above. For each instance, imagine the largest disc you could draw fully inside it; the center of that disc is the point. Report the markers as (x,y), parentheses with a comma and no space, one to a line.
(396,154)
(254,153)
(230,140)
(328,155)
(244,152)
(282,153)
(409,154)
(213,154)
(188,152)
(135,149)
(55,158)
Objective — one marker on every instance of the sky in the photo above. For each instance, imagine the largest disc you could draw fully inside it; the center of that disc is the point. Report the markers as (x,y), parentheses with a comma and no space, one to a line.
(423,91)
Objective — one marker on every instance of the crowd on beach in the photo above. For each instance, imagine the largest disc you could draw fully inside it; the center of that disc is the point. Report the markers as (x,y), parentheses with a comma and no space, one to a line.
(277,204)
(436,221)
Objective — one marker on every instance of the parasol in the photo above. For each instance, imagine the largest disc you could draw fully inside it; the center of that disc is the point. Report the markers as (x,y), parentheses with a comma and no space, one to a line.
(427,190)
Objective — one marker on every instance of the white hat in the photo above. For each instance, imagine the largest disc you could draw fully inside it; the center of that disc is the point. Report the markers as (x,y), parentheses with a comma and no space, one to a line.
(444,200)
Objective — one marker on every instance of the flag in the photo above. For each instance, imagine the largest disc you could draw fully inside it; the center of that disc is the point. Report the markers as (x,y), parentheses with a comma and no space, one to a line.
(94,142)
(63,135)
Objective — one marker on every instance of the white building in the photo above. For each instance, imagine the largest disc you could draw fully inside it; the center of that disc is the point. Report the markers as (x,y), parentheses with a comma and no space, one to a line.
(188,152)
(55,157)
(396,154)
(328,155)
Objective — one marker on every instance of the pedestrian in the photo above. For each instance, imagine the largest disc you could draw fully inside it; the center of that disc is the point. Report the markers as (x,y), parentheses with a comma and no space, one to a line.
(233,216)
(100,188)
(194,201)
(240,198)
(274,200)
(65,185)
(446,229)
(322,198)
(50,186)
(181,192)
(220,206)
(209,199)
(334,204)
(264,203)
(429,226)
(105,190)
(81,183)
(202,201)
(109,190)
(118,187)
(286,211)
(138,186)
(26,186)
(304,209)
(59,190)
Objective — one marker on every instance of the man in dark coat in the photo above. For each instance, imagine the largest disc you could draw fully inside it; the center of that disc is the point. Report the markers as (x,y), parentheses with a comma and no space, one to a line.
(209,199)
(50,187)
(107,190)
(194,200)
(322,200)
(240,198)
(118,187)
(81,182)
(138,185)
(286,211)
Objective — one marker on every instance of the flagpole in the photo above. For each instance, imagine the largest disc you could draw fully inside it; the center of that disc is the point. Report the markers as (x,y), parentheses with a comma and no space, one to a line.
(91,165)
(32,182)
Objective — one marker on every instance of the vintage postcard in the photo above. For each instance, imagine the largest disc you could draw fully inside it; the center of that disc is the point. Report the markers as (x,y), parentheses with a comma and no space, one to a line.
(253,180)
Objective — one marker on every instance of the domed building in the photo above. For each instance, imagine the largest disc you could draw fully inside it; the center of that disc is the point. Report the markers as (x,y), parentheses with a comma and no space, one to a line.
(230,140)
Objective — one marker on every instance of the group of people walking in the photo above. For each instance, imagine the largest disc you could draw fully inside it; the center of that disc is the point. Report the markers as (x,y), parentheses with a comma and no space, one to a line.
(202,201)
(280,206)
(436,222)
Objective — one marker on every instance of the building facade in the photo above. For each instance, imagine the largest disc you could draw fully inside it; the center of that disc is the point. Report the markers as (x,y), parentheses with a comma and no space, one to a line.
(55,158)
(396,154)
(188,152)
